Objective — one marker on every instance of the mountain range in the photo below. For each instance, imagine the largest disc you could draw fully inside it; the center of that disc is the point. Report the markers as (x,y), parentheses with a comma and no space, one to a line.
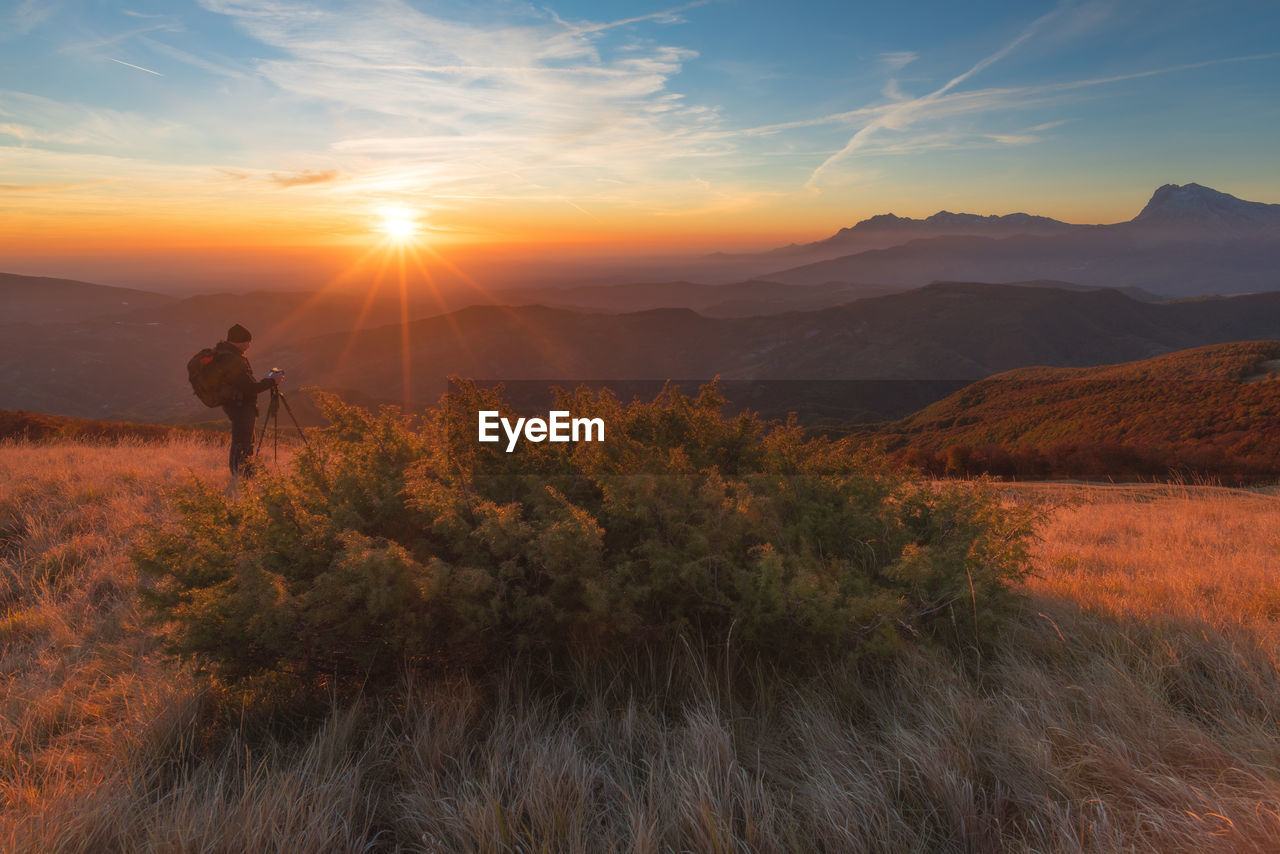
(944,331)
(1187,241)
(885,230)
(919,309)
(941,336)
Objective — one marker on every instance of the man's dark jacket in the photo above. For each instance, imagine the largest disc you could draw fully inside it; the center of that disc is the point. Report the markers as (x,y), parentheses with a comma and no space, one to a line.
(242,408)
(239,376)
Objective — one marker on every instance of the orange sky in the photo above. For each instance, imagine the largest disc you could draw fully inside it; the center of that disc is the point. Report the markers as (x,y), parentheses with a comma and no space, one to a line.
(82,219)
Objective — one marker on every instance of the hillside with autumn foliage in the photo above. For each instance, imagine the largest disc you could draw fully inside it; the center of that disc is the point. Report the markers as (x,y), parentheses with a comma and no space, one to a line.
(1207,412)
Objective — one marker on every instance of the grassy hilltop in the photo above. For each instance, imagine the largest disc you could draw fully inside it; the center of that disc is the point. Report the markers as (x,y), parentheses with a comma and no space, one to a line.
(1209,411)
(1129,705)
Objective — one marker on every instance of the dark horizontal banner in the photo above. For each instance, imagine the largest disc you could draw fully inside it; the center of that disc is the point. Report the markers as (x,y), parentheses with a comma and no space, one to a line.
(815,403)
(571,429)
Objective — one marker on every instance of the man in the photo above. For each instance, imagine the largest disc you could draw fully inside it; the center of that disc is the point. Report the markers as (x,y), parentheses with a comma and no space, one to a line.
(243,391)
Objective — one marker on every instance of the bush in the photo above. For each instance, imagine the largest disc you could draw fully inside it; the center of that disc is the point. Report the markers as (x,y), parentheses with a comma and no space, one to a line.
(400,542)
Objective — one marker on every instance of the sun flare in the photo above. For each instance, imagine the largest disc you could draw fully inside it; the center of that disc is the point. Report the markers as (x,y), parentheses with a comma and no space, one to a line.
(400,225)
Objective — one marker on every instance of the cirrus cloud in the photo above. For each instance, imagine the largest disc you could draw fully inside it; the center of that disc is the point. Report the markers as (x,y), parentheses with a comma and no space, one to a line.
(448,103)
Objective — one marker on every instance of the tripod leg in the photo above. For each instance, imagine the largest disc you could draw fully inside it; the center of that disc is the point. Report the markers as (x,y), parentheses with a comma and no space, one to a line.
(273,414)
(289,409)
(263,434)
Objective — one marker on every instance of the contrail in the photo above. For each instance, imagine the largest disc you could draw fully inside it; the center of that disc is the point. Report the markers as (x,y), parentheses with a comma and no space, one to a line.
(139,67)
(904,109)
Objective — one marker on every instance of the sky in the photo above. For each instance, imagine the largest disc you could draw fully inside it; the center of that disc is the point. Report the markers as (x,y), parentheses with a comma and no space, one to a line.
(137,133)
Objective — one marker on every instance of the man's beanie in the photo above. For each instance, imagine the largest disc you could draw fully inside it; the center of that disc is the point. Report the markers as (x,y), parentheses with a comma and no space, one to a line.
(238,335)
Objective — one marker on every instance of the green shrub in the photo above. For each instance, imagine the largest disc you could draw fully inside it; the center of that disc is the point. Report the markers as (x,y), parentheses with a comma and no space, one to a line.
(397,542)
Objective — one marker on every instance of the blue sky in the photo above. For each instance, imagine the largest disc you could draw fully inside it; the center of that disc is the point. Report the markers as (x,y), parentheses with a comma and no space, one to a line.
(723,118)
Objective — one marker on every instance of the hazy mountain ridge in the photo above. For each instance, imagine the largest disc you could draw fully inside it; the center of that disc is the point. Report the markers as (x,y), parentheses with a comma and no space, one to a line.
(1189,214)
(736,299)
(884,230)
(943,332)
(42,299)
(947,331)
(1187,240)
(1101,259)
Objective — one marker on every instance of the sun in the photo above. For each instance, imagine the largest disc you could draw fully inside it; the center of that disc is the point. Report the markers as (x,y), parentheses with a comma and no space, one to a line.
(399,224)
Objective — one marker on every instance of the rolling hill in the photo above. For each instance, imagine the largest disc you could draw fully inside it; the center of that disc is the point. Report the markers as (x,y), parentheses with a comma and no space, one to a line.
(948,330)
(39,299)
(936,338)
(1210,410)
(1174,268)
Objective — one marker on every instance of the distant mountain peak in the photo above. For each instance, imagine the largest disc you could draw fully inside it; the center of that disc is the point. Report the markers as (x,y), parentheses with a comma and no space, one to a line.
(946,220)
(879,221)
(893,228)
(1195,206)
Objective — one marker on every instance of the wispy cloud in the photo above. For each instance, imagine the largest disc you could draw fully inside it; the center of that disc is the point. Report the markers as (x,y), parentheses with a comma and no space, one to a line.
(222,68)
(906,112)
(28,134)
(102,183)
(444,102)
(1168,69)
(896,60)
(893,91)
(666,16)
(921,143)
(990,100)
(304,178)
(32,118)
(97,41)
(950,101)
(29,14)
(41,189)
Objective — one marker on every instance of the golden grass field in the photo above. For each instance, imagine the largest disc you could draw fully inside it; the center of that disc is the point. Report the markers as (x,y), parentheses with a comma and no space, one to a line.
(1131,707)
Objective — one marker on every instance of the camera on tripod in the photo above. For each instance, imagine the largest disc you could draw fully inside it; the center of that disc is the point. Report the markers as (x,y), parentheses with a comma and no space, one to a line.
(273,415)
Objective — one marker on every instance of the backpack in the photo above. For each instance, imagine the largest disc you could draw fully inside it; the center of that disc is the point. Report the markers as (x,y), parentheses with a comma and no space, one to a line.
(207,371)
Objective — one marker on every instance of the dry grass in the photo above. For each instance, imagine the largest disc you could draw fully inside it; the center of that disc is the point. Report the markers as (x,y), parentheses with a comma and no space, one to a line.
(82,684)
(1131,708)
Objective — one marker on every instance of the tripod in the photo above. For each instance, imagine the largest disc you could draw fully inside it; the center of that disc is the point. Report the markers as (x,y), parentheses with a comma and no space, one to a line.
(273,417)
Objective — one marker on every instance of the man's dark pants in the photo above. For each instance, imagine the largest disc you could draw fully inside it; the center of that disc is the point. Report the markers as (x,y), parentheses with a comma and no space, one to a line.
(243,417)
